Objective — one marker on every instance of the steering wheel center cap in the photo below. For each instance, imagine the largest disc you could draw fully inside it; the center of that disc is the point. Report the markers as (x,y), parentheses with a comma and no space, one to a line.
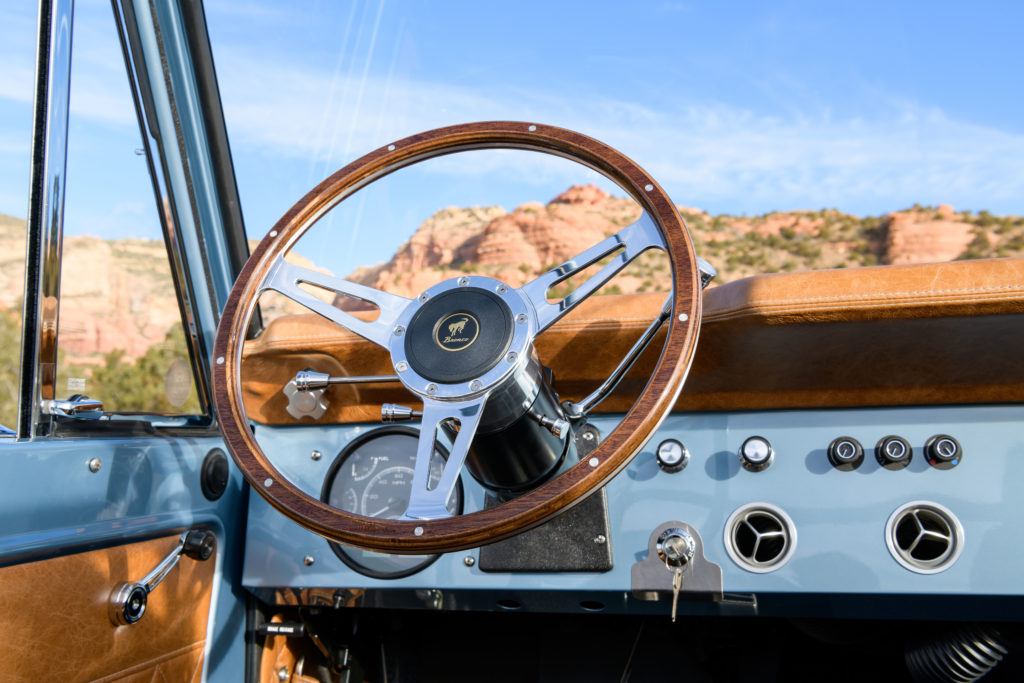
(457,331)
(459,334)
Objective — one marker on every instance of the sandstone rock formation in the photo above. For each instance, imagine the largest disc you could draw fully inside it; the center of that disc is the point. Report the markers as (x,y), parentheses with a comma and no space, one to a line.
(924,236)
(118,294)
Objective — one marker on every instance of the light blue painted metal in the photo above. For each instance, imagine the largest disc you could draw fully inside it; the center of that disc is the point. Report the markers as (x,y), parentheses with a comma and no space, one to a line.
(144,487)
(840,516)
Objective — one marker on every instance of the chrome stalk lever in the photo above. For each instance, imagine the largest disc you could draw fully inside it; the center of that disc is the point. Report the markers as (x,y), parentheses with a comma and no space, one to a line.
(305,391)
(391,412)
(577,411)
(128,600)
(308,380)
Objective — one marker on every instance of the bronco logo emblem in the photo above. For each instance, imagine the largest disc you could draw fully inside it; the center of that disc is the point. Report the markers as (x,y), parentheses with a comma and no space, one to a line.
(456,331)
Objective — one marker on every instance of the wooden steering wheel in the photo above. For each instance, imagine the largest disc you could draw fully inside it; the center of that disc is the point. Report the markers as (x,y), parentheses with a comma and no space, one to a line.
(455,391)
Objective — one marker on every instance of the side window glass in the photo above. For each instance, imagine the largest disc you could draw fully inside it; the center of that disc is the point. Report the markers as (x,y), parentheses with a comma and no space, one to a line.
(121,339)
(17,54)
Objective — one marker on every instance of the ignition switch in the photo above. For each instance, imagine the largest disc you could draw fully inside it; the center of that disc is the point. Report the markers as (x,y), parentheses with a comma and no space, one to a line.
(676,547)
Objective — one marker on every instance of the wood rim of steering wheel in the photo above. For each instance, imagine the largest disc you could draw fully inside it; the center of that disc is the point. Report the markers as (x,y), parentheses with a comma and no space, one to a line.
(538,505)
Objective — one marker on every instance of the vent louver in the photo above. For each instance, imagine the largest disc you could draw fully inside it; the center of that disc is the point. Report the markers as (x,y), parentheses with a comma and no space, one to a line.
(924,537)
(760,537)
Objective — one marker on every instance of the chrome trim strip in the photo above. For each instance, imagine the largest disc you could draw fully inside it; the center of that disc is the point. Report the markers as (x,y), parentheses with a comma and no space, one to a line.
(141,89)
(163,52)
(45,215)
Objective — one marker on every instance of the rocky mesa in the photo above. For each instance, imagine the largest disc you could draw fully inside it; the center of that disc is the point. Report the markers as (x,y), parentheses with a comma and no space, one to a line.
(519,245)
(118,294)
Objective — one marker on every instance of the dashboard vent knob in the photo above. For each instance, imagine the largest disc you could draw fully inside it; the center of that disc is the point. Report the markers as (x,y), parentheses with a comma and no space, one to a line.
(943,452)
(845,453)
(893,452)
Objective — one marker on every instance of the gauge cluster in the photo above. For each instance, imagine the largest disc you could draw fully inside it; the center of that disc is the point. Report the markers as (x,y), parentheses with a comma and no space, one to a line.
(372,477)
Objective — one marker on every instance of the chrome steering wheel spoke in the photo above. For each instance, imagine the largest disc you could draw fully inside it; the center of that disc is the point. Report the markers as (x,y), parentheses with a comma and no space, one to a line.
(285,278)
(432,503)
(630,242)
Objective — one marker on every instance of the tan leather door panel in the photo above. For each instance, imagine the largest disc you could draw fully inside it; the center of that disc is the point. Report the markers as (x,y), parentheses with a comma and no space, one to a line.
(55,623)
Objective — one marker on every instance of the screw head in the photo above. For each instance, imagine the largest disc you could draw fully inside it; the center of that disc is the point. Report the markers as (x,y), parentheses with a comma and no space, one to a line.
(94,464)
(522,318)
(308,560)
(316,455)
(399,331)
(401,366)
(475,385)
(502,289)
(469,560)
(600,539)
(511,358)
(423,297)
(431,389)
(463,281)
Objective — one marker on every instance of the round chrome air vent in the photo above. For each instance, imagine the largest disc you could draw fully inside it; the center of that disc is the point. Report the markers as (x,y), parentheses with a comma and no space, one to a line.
(760,537)
(924,537)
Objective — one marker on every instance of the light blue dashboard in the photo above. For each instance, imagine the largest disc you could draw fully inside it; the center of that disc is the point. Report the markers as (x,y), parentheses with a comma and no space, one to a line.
(839,517)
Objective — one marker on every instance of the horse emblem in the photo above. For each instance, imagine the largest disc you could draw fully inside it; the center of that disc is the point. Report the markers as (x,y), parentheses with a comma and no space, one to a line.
(456,328)
(456,331)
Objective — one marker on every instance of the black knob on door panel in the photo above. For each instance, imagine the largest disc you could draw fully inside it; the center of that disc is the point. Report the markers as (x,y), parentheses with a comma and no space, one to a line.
(845,453)
(943,452)
(893,452)
(756,454)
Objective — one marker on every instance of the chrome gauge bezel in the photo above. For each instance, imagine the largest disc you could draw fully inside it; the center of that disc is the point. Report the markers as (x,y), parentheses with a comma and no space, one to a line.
(344,552)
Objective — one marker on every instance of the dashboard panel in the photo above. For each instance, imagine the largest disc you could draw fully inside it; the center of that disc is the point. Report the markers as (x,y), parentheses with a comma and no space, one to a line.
(845,526)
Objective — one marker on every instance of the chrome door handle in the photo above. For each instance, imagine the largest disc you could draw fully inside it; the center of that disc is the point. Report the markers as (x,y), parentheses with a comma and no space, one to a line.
(128,600)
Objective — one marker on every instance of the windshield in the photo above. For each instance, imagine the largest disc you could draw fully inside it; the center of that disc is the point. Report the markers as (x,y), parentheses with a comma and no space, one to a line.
(799,136)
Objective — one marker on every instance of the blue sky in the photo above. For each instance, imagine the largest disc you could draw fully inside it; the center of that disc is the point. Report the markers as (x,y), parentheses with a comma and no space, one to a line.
(734,107)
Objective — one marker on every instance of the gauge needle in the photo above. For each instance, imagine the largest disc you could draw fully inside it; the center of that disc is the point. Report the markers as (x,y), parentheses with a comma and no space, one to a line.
(384,509)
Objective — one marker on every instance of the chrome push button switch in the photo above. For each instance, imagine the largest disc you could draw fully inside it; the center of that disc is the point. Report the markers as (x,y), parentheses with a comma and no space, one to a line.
(756,454)
(672,455)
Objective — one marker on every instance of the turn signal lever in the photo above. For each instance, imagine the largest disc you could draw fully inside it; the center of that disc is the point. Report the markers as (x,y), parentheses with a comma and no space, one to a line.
(128,600)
